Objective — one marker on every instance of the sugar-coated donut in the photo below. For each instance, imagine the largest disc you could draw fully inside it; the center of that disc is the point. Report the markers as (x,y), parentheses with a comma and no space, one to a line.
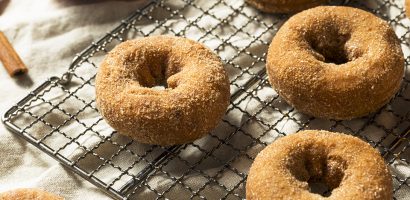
(194,100)
(28,194)
(348,166)
(284,6)
(335,62)
(407,7)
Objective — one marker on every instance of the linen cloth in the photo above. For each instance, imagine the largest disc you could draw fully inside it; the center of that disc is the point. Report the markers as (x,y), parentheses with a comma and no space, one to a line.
(47,34)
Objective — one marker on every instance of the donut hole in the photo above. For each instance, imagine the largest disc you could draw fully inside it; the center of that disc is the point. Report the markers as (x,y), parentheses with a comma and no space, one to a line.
(331,49)
(322,173)
(159,87)
(329,44)
(156,83)
(320,188)
(155,78)
(156,72)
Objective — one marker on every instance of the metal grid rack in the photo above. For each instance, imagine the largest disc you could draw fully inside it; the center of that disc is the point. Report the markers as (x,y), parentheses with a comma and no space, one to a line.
(61,119)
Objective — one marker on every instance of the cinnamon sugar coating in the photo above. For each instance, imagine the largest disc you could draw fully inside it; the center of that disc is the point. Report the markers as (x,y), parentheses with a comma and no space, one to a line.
(28,194)
(350,167)
(194,100)
(284,6)
(335,62)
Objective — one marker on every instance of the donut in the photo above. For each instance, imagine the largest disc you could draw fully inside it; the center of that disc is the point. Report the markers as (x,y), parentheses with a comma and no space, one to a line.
(335,62)
(28,194)
(407,7)
(348,166)
(284,6)
(195,97)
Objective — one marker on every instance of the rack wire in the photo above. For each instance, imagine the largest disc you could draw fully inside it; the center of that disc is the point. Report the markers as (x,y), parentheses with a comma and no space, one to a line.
(60,116)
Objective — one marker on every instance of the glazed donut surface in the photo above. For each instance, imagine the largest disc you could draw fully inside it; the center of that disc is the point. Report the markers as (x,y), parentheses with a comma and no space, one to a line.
(349,167)
(335,62)
(284,6)
(194,100)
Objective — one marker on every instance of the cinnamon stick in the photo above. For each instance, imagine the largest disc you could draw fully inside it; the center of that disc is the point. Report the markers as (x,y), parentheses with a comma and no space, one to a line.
(407,8)
(10,59)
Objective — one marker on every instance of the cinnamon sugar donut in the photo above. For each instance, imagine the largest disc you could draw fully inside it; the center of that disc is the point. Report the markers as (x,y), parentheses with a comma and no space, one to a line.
(407,7)
(335,62)
(349,167)
(195,97)
(284,6)
(28,194)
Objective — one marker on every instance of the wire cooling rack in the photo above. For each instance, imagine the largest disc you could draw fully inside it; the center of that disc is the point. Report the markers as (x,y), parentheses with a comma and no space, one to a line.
(61,119)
